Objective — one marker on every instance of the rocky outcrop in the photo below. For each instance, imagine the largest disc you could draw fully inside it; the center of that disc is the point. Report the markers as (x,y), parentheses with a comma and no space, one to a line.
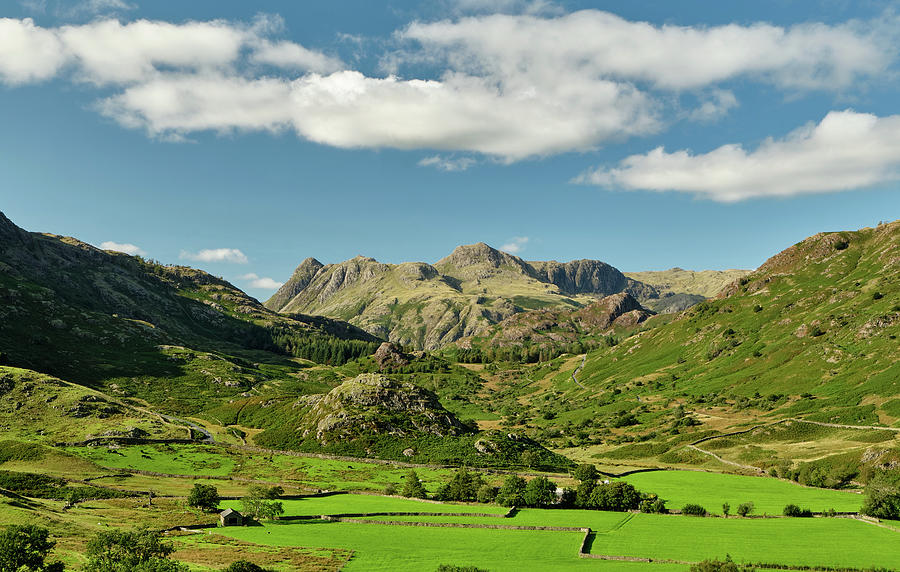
(562,326)
(390,355)
(582,276)
(373,404)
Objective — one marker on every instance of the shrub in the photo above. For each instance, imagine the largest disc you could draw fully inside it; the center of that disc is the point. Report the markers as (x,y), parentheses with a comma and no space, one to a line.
(486,493)
(882,497)
(719,566)
(246,566)
(745,508)
(693,510)
(25,548)
(615,496)
(654,505)
(389,490)
(726,508)
(795,511)
(126,551)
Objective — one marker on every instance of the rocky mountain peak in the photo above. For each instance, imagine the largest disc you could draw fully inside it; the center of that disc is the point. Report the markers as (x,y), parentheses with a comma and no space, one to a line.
(476,254)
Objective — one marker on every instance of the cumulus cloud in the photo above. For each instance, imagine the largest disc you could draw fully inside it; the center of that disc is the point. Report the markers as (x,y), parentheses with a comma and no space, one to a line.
(844,151)
(508,86)
(28,53)
(515,245)
(261,282)
(232,255)
(591,44)
(107,51)
(125,247)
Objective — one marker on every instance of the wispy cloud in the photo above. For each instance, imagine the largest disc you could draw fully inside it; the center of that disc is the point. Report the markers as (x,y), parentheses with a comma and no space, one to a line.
(844,151)
(515,245)
(125,247)
(448,164)
(265,283)
(231,255)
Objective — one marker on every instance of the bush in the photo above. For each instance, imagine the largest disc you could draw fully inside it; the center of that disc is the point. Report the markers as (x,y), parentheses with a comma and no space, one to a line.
(793,510)
(25,548)
(452,568)
(654,505)
(693,510)
(127,551)
(882,497)
(615,496)
(486,493)
(246,566)
(719,566)
(745,508)
(389,490)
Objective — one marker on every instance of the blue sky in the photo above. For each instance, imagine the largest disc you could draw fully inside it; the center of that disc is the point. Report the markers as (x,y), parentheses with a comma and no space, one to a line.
(243,137)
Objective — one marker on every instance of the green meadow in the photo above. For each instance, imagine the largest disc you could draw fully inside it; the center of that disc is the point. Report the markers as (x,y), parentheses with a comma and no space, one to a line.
(711,490)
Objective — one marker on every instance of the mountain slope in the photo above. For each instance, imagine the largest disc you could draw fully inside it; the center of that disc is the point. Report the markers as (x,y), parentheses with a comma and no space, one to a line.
(428,306)
(104,318)
(812,334)
(680,289)
(820,317)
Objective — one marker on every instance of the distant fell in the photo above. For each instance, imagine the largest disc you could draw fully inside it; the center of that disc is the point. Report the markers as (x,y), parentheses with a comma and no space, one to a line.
(426,306)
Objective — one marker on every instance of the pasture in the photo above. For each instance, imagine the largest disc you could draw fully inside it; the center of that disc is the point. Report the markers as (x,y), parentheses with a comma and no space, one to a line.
(769,495)
(837,542)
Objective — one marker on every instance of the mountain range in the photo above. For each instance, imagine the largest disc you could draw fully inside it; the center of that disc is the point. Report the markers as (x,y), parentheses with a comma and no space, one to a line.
(427,306)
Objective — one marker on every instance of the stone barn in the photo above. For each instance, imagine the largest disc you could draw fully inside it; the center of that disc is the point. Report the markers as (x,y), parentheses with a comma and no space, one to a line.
(231,517)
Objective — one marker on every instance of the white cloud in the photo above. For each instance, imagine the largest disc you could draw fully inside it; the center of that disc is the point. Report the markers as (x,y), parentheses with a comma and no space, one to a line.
(845,151)
(449,164)
(28,53)
(232,255)
(125,247)
(108,51)
(591,44)
(510,87)
(515,245)
(289,55)
(265,282)
(347,109)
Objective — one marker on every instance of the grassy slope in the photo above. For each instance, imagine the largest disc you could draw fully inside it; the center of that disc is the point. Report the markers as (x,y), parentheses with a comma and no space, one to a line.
(706,283)
(117,322)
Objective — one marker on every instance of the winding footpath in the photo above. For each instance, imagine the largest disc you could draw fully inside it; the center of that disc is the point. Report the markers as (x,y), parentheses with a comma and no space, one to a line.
(577,369)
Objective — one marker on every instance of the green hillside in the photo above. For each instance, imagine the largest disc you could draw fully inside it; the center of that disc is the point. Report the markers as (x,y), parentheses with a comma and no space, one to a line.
(172,335)
(811,334)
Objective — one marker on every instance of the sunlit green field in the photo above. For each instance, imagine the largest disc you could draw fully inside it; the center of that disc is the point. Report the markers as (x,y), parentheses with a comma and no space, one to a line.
(834,542)
(379,547)
(711,490)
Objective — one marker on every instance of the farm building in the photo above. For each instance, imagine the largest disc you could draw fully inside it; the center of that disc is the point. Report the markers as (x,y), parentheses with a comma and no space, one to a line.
(231,517)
